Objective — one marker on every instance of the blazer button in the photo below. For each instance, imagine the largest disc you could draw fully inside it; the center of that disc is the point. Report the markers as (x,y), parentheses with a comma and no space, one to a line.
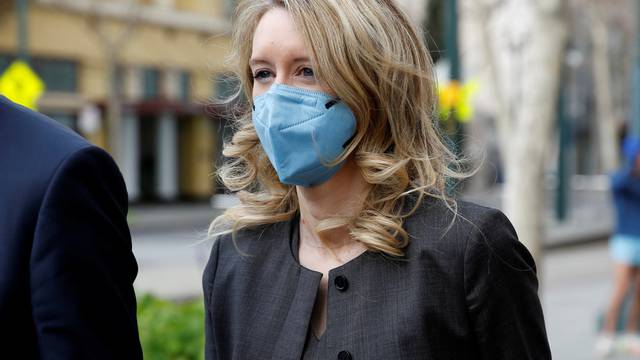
(341,284)
(344,355)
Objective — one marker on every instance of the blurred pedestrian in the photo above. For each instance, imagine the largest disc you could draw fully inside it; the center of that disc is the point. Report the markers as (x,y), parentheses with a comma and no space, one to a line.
(66,265)
(345,244)
(624,248)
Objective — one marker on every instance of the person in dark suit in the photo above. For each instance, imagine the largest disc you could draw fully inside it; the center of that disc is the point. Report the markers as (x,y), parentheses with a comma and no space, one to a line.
(66,265)
(345,244)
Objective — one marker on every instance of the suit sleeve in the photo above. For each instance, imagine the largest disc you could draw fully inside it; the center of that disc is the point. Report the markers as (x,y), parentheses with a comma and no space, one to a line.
(207,285)
(502,294)
(82,265)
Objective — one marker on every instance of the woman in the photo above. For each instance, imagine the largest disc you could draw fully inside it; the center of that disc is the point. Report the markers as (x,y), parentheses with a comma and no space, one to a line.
(344,244)
(624,248)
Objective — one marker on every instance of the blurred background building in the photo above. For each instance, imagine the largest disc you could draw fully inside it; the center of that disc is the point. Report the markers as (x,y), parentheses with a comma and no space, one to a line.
(133,77)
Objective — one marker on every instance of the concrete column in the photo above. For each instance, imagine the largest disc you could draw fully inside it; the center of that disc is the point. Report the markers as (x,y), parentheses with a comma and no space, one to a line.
(171,84)
(133,86)
(197,145)
(167,152)
(131,154)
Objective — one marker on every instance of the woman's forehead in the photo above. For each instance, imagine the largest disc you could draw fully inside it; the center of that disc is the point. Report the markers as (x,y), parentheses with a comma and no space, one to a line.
(276,34)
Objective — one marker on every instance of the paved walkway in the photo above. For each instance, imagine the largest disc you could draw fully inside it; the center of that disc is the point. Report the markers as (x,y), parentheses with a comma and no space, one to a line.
(171,263)
(144,219)
(576,288)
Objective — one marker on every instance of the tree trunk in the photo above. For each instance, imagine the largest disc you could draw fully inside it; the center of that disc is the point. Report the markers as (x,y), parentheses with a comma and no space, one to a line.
(534,112)
(523,48)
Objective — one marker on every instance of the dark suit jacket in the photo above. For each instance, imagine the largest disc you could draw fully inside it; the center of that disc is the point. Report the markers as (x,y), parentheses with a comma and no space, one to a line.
(466,289)
(66,266)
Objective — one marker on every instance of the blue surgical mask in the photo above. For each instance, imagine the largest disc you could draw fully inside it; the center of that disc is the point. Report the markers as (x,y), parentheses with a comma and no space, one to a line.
(301,131)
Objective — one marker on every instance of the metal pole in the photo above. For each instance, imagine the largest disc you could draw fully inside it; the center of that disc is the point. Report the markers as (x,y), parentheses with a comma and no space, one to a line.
(22,7)
(453,55)
(562,190)
(451,39)
(454,128)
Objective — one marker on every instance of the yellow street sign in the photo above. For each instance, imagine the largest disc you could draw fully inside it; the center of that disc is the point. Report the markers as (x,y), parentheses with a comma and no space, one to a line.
(21,84)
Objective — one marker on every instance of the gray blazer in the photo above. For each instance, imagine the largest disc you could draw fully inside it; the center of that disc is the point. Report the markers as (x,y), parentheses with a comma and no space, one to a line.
(466,289)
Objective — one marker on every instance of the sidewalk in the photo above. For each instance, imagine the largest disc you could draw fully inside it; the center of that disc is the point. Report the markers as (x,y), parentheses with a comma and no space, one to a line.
(575,289)
(148,219)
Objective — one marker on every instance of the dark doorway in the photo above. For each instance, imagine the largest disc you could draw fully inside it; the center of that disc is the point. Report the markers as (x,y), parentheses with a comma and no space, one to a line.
(148,158)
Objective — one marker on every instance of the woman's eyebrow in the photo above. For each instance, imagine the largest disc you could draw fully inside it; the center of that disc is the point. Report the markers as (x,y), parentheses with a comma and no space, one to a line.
(258,61)
(301,59)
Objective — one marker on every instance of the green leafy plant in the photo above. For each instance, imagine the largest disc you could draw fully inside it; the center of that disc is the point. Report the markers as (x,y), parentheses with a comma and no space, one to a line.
(171,330)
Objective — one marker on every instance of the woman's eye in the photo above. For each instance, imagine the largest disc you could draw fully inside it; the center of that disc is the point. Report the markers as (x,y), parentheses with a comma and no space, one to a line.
(307,72)
(262,74)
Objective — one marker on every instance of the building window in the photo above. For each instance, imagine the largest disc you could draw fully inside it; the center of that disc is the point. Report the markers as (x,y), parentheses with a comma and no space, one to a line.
(5,60)
(58,75)
(185,86)
(150,83)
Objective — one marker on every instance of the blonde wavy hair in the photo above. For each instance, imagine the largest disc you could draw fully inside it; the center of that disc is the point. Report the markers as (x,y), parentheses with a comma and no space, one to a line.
(369,53)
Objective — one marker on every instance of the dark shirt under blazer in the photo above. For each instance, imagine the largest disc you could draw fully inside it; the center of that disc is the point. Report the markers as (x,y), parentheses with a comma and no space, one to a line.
(466,289)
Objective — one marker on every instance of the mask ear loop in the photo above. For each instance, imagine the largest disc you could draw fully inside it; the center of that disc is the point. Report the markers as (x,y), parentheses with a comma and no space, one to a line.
(330,103)
(349,140)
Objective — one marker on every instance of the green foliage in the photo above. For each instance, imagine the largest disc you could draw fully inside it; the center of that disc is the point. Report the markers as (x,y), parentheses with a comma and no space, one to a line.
(171,330)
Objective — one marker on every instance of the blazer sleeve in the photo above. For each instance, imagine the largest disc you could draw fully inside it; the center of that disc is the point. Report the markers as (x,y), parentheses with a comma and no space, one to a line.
(82,266)
(502,293)
(208,277)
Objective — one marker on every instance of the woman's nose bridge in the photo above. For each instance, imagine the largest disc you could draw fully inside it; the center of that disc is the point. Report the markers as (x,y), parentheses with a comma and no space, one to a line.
(282,78)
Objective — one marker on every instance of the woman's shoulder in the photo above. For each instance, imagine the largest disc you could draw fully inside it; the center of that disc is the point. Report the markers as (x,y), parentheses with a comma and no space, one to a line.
(253,244)
(455,216)
(461,228)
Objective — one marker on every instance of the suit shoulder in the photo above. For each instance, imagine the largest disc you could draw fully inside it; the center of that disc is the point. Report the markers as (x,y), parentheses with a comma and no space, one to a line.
(479,215)
(484,233)
(88,175)
(453,224)
(90,157)
(35,149)
(453,213)
(27,133)
(90,164)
